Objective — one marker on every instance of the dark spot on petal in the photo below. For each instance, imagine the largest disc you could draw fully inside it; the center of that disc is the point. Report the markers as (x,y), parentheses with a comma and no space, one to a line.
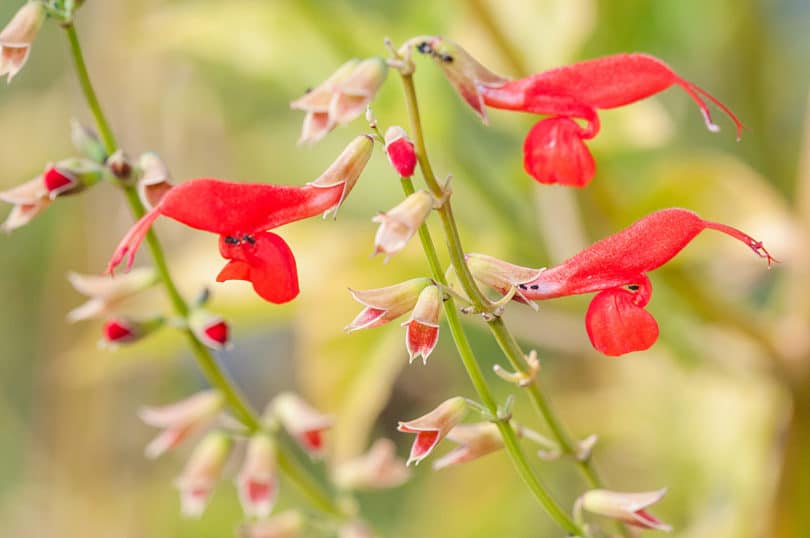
(231,240)
(633,287)
(249,238)
(446,58)
(535,286)
(424,47)
(523,286)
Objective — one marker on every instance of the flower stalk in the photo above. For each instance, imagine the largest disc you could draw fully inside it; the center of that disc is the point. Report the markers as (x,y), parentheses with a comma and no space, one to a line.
(287,464)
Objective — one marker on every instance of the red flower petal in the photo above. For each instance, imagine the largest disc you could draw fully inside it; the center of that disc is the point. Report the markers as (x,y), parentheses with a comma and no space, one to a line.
(224,207)
(420,339)
(265,260)
(553,152)
(617,325)
(234,270)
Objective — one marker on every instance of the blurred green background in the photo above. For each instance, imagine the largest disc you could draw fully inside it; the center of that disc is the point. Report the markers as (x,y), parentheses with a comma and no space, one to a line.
(718,410)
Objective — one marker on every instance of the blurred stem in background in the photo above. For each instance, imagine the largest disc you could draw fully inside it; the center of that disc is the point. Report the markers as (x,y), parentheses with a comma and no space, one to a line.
(287,463)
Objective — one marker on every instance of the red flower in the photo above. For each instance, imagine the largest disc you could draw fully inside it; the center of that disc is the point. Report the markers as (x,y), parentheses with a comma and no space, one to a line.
(242,214)
(554,151)
(617,268)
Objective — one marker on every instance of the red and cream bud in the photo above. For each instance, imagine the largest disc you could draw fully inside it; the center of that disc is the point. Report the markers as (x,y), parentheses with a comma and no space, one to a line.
(18,35)
(379,468)
(125,330)
(341,98)
(210,329)
(502,276)
(474,440)
(180,420)
(386,304)
(289,524)
(105,294)
(257,481)
(304,423)
(87,142)
(155,180)
(430,429)
(422,332)
(631,508)
(346,169)
(70,176)
(202,471)
(400,151)
(29,199)
(398,225)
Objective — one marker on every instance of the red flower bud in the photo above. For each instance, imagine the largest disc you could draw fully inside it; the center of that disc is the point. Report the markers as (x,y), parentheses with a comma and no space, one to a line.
(70,176)
(210,329)
(123,330)
(399,149)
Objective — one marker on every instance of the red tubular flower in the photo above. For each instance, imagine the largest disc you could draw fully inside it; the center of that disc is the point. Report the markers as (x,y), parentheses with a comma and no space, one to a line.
(617,268)
(242,213)
(554,151)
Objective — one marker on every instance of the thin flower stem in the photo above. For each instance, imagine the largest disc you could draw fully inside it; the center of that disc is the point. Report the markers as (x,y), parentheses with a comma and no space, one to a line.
(479,383)
(288,465)
(506,341)
(104,129)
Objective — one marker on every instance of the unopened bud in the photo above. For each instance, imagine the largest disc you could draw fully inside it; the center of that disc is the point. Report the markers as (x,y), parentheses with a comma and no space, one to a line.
(87,142)
(430,429)
(119,165)
(202,472)
(627,507)
(18,35)
(400,151)
(123,330)
(423,327)
(398,225)
(346,169)
(210,329)
(70,176)
(304,423)
(386,304)
(257,481)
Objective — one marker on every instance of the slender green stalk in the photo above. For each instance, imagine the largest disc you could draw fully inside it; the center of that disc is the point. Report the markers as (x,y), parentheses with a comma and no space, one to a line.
(477,377)
(104,130)
(299,476)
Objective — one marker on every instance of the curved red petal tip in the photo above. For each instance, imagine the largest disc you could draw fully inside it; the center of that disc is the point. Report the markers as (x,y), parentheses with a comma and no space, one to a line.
(131,241)
(226,207)
(616,325)
(554,152)
(265,260)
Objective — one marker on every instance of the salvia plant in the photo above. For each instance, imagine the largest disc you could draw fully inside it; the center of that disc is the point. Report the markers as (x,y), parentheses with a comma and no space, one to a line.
(248,218)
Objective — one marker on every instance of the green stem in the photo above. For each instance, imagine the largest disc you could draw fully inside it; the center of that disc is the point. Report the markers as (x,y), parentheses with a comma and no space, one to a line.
(506,341)
(104,130)
(513,352)
(213,373)
(479,383)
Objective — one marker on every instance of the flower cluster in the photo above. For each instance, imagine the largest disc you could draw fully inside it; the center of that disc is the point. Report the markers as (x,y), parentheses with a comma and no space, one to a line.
(243,215)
